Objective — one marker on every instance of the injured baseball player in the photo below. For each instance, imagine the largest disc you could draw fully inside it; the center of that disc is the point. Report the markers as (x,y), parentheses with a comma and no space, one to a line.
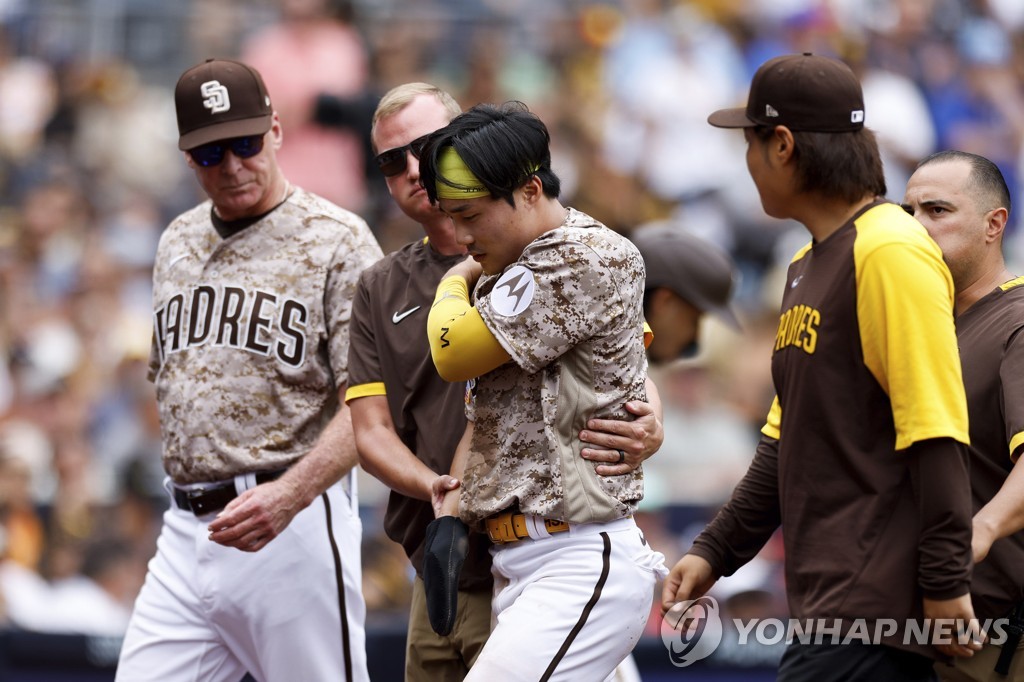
(555,337)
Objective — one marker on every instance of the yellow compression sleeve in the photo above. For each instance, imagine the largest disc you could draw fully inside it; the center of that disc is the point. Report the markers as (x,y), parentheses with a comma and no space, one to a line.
(461,345)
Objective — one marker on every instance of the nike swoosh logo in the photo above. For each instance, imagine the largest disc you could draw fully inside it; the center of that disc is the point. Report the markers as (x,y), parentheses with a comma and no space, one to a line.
(176,259)
(398,317)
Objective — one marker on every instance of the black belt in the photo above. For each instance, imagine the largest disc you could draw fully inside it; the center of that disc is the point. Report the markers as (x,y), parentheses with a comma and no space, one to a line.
(215,497)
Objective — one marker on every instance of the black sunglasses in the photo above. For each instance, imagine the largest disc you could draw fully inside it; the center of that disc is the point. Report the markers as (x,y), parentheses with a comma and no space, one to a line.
(212,153)
(395,161)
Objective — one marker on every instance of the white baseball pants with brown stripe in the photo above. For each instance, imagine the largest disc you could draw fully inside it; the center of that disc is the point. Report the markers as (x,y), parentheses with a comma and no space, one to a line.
(292,611)
(569,607)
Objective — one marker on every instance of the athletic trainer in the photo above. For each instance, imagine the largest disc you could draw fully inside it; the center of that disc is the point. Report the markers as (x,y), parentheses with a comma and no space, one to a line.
(964,203)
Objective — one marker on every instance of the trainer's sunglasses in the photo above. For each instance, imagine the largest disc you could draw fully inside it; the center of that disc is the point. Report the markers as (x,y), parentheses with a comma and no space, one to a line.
(211,154)
(395,161)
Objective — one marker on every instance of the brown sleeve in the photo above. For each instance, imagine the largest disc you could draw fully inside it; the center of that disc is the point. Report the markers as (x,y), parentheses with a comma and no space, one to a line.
(746,522)
(939,474)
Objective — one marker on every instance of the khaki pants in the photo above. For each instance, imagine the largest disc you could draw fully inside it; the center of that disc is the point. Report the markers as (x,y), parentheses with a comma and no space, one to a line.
(432,658)
(980,667)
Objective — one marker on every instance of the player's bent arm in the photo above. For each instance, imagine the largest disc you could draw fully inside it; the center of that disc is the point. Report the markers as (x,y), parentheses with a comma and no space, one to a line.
(333,456)
(254,518)
(461,345)
(941,489)
(1002,516)
(383,454)
(638,439)
(447,488)
(746,522)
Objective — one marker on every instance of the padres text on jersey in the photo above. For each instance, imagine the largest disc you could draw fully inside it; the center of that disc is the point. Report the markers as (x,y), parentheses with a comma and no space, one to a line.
(251,334)
(798,327)
(258,321)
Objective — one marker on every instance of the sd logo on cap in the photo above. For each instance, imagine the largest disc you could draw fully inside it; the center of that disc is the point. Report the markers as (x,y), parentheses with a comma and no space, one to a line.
(220,99)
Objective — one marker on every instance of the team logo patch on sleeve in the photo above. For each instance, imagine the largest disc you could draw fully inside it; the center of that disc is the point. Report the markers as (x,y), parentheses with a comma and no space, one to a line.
(513,292)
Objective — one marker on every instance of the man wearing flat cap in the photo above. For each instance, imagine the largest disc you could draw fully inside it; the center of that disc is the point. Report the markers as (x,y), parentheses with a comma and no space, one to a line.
(258,562)
(862,461)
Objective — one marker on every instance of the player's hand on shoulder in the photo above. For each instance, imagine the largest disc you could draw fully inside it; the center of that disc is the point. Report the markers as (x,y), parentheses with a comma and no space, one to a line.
(690,578)
(468,269)
(257,516)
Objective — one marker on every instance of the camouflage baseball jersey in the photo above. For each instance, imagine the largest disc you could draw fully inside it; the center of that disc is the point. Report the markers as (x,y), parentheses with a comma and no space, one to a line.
(250,336)
(570,313)
(992,355)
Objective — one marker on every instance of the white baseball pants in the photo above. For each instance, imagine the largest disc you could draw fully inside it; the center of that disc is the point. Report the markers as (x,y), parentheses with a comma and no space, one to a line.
(209,613)
(571,606)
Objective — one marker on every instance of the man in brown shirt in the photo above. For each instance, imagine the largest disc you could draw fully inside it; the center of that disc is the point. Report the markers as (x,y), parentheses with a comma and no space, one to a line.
(862,460)
(963,202)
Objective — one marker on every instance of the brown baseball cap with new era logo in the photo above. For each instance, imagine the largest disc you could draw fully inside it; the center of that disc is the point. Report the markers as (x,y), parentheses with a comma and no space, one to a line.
(220,99)
(804,92)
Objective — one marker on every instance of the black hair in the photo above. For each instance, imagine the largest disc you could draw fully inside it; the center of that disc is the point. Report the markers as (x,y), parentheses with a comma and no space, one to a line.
(985,176)
(504,146)
(844,165)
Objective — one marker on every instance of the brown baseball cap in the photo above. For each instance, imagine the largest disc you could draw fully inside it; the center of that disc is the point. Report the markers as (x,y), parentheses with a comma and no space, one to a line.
(220,99)
(694,268)
(804,92)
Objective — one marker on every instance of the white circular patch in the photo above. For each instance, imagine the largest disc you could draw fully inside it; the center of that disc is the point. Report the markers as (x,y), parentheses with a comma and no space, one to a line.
(513,292)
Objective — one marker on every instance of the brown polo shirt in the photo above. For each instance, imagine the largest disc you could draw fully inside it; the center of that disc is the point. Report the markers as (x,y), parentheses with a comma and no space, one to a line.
(992,355)
(389,355)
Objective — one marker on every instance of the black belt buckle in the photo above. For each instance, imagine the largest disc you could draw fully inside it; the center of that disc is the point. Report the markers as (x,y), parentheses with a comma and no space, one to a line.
(201,501)
(205,501)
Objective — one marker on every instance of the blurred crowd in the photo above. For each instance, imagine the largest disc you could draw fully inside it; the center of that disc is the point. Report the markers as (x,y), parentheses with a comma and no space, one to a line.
(90,174)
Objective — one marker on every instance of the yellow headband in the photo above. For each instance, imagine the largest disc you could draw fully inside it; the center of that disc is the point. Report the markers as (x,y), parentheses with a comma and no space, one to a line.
(452,169)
